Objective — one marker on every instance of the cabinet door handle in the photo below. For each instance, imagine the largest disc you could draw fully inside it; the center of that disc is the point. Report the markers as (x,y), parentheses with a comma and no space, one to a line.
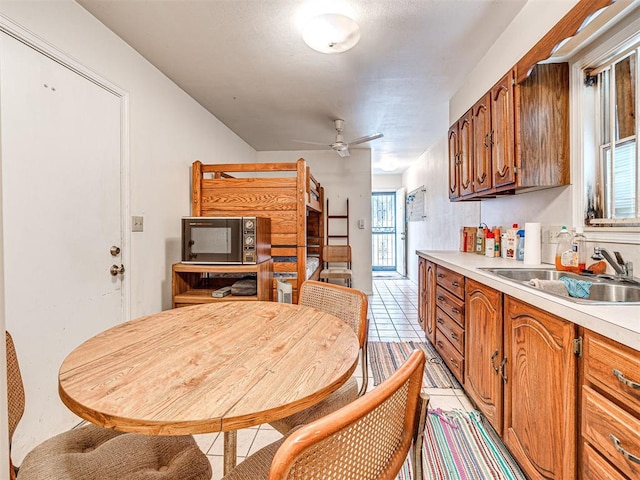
(502,369)
(454,336)
(456,311)
(453,362)
(493,364)
(440,344)
(441,275)
(440,321)
(455,284)
(625,381)
(626,454)
(440,298)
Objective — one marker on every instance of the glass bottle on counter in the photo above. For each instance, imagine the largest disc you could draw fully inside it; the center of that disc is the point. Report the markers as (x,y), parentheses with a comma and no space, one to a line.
(480,239)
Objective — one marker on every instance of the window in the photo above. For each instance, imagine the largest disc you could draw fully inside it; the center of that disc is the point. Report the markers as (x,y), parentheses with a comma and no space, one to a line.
(613,197)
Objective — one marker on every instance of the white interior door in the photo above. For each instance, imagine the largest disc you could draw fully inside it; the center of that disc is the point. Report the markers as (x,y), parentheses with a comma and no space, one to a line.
(401,234)
(61,173)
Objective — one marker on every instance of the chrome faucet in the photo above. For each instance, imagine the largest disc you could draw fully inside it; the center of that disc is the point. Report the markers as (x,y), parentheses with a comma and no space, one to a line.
(623,269)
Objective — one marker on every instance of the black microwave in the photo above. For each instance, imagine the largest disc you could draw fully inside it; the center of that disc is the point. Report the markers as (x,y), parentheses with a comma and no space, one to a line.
(233,240)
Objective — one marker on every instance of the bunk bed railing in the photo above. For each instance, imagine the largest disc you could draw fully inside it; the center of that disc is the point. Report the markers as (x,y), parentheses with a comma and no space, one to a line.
(310,187)
(293,199)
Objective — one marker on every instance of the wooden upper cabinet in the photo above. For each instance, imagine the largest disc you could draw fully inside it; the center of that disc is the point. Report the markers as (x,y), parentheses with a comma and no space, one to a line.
(503,160)
(515,137)
(481,119)
(454,155)
(461,157)
(466,155)
(540,409)
(542,127)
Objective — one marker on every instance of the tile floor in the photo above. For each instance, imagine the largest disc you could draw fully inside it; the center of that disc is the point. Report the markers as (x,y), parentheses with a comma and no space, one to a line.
(393,316)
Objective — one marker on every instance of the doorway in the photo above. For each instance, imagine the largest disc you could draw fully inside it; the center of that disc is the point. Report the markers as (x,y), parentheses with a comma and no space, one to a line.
(383,231)
(63,203)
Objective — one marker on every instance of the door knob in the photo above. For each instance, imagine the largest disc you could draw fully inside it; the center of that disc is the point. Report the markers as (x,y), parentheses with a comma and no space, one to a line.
(115,270)
(115,251)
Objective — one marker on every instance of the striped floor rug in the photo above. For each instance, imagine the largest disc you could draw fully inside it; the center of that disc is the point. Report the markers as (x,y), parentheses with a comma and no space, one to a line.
(462,446)
(386,357)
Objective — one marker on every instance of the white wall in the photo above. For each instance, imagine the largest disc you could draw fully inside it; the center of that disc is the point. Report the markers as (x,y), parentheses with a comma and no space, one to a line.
(343,178)
(441,229)
(386,183)
(535,19)
(168,131)
(552,207)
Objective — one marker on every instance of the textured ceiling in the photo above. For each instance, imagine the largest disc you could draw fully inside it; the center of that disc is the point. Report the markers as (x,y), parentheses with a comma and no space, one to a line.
(245,62)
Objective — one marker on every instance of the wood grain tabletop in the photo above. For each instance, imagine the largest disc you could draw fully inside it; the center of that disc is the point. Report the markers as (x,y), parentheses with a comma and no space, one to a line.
(208,368)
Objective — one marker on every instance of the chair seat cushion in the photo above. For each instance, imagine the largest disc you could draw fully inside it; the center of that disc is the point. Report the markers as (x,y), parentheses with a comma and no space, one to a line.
(336,273)
(338,399)
(256,466)
(94,453)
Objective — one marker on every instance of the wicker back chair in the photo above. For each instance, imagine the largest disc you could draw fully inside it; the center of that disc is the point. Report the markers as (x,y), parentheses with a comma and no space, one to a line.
(95,453)
(349,305)
(365,440)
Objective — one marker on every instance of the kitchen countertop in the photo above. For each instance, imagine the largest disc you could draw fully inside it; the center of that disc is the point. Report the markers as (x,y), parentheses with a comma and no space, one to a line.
(617,322)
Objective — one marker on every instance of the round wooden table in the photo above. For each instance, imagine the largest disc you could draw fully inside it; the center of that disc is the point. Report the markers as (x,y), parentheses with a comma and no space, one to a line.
(208,368)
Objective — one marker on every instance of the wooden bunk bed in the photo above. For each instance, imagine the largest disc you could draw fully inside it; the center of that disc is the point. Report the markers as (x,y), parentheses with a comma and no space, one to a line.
(287,193)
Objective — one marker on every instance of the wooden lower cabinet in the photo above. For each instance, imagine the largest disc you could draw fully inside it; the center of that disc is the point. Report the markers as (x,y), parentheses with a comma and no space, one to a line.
(430,302)
(610,410)
(483,352)
(540,425)
(422,287)
(594,467)
(427,298)
(519,366)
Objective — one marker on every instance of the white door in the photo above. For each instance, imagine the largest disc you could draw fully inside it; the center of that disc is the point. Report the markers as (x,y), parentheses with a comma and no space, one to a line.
(401,234)
(61,170)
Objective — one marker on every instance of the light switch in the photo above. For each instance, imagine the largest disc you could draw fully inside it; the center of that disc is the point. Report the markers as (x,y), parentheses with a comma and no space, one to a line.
(361,224)
(137,224)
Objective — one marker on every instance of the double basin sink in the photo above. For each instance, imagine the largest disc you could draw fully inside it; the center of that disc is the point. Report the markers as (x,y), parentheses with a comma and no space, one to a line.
(604,289)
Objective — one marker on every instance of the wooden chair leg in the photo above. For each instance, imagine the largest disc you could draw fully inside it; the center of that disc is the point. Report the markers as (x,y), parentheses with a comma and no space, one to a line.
(416,456)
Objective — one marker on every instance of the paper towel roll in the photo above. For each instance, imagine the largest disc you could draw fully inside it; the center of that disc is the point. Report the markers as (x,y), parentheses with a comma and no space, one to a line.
(532,243)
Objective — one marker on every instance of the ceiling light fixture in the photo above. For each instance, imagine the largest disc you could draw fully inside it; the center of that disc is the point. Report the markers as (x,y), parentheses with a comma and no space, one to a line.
(331,33)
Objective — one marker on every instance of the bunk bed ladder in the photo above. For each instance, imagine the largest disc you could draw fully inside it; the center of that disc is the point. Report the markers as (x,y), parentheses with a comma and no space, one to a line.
(339,223)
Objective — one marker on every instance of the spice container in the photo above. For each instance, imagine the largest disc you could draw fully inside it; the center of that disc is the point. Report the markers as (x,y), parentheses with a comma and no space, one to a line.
(490,245)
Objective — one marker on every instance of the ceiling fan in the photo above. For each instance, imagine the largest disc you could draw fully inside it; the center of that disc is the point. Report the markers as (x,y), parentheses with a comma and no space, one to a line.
(340,146)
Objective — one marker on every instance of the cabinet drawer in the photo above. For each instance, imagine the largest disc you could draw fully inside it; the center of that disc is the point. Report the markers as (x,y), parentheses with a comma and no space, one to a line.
(450,355)
(452,281)
(611,431)
(614,368)
(450,304)
(594,467)
(453,331)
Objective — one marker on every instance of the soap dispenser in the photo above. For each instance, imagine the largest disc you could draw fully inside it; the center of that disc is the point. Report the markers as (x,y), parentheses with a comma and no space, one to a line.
(564,251)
